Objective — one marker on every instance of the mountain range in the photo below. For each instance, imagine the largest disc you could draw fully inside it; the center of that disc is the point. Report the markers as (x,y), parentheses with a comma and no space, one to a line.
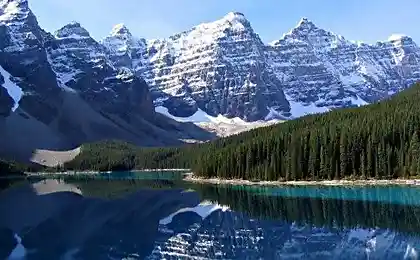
(63,89)
(224,68)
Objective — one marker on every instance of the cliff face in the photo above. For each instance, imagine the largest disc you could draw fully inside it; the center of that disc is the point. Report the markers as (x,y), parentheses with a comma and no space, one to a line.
(219,67)
(320,67)
(61,90)
(224,68)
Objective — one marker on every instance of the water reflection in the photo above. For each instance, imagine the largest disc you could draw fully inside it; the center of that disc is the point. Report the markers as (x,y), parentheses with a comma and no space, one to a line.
(65,223)
(367,209)
(275,227)
(156,218)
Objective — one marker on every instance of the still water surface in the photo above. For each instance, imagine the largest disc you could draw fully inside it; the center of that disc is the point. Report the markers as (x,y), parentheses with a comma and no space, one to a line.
(159,216)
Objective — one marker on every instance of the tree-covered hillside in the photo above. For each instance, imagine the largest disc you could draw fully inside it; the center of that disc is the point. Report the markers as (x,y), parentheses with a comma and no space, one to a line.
(375,141)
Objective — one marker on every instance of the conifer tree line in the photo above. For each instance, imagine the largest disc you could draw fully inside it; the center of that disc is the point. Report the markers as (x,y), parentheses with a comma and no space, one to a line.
(379,141)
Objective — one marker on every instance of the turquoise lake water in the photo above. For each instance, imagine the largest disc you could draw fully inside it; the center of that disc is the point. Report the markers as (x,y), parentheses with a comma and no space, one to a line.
(159,216)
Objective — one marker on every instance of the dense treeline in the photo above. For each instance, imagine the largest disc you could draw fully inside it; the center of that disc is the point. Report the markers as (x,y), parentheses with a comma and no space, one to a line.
(118,156)
(115,155)
(376,141)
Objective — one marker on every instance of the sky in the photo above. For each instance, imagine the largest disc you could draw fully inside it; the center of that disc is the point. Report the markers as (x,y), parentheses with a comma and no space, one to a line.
(364,20)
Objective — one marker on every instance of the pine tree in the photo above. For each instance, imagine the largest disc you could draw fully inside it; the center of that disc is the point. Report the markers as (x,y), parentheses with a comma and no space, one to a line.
(414,153)
(343,155)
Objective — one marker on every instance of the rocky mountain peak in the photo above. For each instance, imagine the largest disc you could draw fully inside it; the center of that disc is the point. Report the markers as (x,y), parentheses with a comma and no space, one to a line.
(307,32)
(305,24)
(235,20)
(303,28)
(236,17)
(398,37)
(401,40)
(120,30)
(123,48)
(72,30)
(13,10)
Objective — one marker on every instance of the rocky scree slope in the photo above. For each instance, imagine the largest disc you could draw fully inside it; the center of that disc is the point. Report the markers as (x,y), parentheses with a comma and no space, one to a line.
(61,90)
(223,68)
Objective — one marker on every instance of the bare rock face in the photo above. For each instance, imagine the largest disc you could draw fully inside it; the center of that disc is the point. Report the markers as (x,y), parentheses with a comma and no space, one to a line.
(82,65)
(219,67)
(223,68)
(23,56)
(60,90)
(317,66)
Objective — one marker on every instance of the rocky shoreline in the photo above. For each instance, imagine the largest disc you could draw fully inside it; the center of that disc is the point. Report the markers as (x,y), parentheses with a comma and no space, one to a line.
(191,178)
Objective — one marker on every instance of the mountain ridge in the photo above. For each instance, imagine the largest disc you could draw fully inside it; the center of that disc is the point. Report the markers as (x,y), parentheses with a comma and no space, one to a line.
(193,70)
(71,93)
(314,70)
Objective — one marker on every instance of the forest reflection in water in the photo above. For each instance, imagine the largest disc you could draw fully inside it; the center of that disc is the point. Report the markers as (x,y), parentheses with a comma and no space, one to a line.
(394,207)
(383,209)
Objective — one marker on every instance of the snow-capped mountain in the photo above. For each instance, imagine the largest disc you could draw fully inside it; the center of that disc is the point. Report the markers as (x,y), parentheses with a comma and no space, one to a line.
(321,68)
(223,68)
(60,90)
(218,67)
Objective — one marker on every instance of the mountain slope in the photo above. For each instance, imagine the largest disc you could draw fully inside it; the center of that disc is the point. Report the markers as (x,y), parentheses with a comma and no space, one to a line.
(61,90)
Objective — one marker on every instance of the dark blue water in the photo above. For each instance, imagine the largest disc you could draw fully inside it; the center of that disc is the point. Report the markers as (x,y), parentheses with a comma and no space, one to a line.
(146,216)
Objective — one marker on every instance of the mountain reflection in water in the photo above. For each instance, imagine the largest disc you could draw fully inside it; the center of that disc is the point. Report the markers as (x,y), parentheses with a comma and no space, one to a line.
(157,219)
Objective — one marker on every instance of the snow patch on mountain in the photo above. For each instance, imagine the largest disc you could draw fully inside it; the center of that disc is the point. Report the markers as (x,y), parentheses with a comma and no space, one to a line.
(202,117)
(198,117)
(15,92)
(222,126)
(299,109)
(357,101)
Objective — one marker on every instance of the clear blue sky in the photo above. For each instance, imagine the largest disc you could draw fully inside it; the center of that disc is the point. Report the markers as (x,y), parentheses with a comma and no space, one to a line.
(366,20)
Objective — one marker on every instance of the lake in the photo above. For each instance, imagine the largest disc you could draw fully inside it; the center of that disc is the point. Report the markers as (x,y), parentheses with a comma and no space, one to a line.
(160,216)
